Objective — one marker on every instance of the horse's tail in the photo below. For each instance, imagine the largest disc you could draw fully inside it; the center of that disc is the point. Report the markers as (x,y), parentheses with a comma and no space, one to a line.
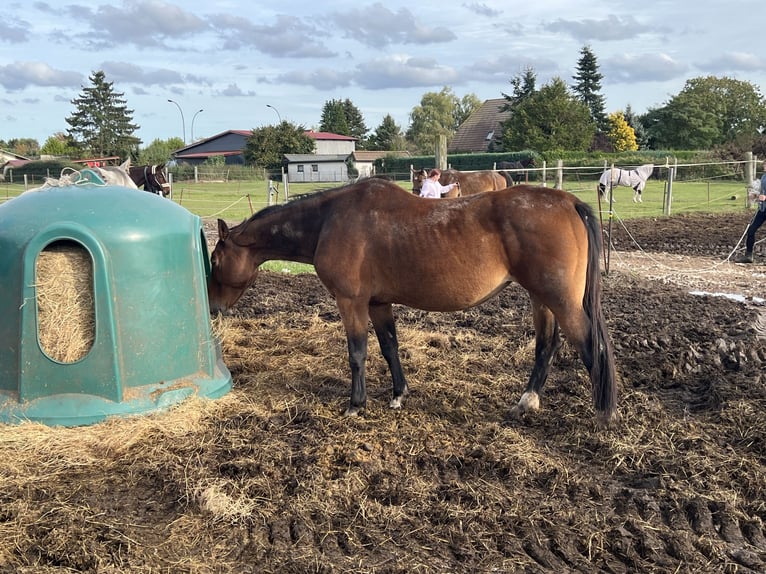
(508,178)
(602,370)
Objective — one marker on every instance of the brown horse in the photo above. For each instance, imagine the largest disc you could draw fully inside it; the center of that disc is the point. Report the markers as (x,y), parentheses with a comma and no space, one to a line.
(476,181)
(373,244)
(151,177)
(420,175)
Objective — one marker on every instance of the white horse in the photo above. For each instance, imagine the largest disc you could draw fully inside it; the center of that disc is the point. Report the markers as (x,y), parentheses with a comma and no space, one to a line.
(635,178)
(116,175)
(113,175)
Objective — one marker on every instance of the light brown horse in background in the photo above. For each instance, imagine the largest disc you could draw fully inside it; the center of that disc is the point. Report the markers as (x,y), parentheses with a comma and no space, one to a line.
(476,181)
(420,175)
(373,244)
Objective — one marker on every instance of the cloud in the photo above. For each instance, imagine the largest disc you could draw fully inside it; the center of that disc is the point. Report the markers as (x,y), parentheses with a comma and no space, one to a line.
(20,75)
(733,61)
(609,29)
(234,91)
(632,68)
(288,37)
(143,23)
(14,34)
(377,26)
(125,72)
(404,72)
(317,78)
(482,10)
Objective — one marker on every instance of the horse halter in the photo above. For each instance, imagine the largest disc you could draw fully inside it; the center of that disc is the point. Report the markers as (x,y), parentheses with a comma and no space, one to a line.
(152,184)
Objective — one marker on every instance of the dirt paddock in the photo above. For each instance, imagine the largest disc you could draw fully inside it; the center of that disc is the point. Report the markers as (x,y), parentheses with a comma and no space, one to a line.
(270,478)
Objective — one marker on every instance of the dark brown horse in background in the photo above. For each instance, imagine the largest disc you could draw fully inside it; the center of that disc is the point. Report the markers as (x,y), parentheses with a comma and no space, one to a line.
(373,244)
(151,178)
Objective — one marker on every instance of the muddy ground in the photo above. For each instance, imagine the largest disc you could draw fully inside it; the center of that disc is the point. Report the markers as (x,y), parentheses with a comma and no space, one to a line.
(270,478)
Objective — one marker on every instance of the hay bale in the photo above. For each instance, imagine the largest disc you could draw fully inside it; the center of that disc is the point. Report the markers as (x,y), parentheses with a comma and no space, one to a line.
(65,305)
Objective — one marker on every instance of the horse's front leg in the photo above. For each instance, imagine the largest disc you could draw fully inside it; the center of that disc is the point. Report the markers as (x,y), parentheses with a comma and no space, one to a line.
(382,317)
(547,344)
(355,318)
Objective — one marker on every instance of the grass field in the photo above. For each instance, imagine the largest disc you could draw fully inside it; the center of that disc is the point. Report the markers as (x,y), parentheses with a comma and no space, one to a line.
(235,201)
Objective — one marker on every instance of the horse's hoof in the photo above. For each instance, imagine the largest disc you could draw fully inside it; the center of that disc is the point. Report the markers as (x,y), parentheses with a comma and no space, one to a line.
(607,420)
(396,403)
(529,401)
(352,411)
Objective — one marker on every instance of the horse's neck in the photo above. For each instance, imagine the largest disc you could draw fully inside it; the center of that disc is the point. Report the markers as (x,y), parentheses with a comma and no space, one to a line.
(288,232)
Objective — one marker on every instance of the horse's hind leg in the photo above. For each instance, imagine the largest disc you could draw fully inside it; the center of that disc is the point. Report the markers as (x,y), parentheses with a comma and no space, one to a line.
(382,317)
(547,344)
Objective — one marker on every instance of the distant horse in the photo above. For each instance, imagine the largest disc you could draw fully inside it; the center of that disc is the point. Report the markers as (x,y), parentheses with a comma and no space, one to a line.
(635,178)
(151,178)
(421,174)
(476,181)
(517,166)
(373,244)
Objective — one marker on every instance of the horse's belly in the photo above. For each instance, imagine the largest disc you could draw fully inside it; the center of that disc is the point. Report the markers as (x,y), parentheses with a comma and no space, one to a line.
(451,292)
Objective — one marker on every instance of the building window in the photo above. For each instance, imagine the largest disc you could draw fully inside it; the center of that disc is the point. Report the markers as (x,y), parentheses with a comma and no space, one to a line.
(300,169)
(315,167)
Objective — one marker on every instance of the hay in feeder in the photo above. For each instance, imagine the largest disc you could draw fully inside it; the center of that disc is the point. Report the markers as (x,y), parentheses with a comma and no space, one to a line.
(65,306)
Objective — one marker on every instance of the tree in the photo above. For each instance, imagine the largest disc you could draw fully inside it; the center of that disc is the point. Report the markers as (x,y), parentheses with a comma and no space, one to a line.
(549,119)
(621,136)
(27,147)
(387,136)
(267,145)
(334,118)
(708,111)
(59,144)
(588,87)
(159,151)
(438,114)
(642,138)
(355,122)
(343,117)
(524,85)
(101,124)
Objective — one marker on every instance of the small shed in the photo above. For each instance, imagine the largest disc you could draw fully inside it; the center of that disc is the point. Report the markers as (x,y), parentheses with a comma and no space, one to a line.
(303,168)
(131,334)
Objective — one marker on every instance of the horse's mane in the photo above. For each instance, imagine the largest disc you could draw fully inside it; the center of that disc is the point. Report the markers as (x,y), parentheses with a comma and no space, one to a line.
(378,181)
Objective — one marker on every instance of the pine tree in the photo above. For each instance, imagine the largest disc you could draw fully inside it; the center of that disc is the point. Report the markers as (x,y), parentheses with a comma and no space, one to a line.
(334,118)
(387,136)
(355,123)
(101,124)
(588,87)
(524,85)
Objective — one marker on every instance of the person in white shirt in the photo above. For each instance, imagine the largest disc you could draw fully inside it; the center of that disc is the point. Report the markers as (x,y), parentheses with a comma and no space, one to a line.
(432,187)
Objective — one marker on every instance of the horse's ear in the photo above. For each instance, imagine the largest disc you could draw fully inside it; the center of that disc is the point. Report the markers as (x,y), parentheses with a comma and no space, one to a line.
(223,230)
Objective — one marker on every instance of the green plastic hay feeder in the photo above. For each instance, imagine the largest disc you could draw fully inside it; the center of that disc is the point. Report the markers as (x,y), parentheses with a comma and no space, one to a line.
(151,344)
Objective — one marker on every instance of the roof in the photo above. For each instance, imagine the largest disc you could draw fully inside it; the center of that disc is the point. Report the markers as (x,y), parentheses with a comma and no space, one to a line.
(362,155)
(329,136)
(313,158)
(234,141)
(481,128)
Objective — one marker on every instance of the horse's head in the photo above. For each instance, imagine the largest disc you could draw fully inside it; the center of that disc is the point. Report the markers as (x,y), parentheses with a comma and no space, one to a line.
(418,177)
(449,176)
(156,180)
(231,270)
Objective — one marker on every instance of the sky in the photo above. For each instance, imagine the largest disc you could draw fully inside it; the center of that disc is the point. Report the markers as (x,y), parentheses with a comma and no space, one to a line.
(245,64)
